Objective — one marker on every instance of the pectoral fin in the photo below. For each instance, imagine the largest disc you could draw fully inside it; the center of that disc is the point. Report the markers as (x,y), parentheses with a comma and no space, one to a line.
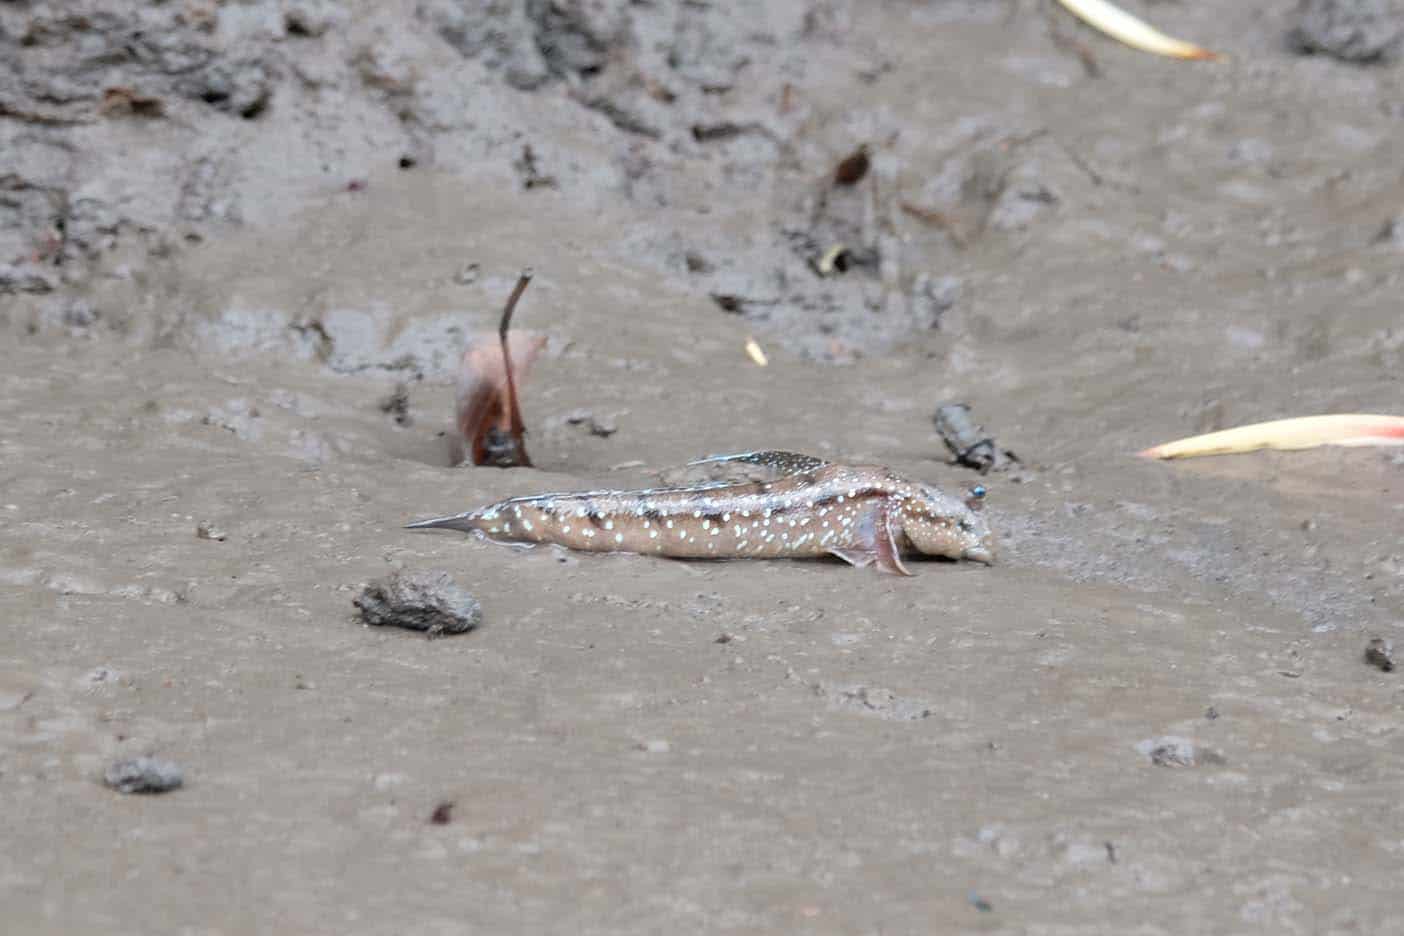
(889,557)
(873,541)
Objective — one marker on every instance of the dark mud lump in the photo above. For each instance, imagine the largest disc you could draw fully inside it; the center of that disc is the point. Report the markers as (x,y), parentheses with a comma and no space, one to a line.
(424,601)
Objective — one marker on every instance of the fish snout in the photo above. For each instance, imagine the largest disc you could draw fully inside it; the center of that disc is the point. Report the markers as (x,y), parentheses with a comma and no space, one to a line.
(983,551)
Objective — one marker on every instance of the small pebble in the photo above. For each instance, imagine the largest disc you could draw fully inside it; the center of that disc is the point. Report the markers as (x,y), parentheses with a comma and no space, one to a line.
(143,775)
(208,531)
(602,426)
(1178,752)
(1379,652)
(656,746)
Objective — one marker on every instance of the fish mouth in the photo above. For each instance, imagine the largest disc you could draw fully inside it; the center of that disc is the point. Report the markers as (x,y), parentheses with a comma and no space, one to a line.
(982,552)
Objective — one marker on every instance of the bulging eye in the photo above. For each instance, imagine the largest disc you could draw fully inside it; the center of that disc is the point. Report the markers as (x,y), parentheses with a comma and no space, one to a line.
(965,526)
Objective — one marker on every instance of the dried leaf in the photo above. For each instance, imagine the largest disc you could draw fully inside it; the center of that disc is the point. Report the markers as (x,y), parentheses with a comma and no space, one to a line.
(1138,34)
(482,406)
(1289,434)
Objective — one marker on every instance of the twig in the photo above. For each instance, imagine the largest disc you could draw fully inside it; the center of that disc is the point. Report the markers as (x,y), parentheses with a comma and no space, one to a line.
(518,428)
(937,219)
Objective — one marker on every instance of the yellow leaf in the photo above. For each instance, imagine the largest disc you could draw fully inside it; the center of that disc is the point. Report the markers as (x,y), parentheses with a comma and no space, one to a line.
(1138,34)
(1302,432)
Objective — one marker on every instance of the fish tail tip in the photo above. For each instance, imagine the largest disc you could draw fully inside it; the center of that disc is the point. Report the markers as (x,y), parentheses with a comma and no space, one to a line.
(460,522)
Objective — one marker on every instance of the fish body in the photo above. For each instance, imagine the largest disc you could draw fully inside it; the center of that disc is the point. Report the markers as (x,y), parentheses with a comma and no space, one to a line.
(863,514)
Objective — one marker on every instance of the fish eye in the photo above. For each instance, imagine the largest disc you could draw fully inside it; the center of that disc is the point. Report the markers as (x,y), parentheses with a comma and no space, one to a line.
(977,491)
(965,526)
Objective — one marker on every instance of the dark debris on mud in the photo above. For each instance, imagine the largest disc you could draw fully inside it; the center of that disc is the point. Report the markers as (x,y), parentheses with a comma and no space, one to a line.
(424,601)
(144,775)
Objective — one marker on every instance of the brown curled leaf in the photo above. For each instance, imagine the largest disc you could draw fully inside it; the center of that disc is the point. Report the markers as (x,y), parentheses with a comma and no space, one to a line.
(483,407)
(488,414)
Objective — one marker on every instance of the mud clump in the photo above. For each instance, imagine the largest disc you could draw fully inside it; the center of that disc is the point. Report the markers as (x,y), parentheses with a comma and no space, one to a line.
(144,775)
(422,601)
(1178,752)
(1360,31)
(1379,653)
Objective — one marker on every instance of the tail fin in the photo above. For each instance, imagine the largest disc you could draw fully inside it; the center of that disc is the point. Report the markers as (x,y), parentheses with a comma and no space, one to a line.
(464,521)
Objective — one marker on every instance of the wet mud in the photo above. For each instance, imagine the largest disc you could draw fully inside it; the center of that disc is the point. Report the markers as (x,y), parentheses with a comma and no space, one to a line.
(241,249)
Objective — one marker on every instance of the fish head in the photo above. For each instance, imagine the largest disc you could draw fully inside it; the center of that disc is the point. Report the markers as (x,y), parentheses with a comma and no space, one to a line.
(938,524)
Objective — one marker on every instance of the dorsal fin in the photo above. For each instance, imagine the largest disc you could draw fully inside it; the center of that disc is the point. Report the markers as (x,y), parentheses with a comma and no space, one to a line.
(782,463)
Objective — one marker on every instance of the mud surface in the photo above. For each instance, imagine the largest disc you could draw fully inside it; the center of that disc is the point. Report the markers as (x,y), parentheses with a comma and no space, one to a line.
(229,233)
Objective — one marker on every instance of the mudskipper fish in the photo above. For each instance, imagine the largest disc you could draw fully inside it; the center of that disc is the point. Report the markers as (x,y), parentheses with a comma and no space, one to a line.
(863,514)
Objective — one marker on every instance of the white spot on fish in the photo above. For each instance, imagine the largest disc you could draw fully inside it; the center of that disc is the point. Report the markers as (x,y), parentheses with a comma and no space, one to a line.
(619,537)
(609,524)
(527,525)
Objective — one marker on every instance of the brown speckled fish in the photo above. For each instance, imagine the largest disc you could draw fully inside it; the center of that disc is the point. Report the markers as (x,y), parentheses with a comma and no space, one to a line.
(862,514)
